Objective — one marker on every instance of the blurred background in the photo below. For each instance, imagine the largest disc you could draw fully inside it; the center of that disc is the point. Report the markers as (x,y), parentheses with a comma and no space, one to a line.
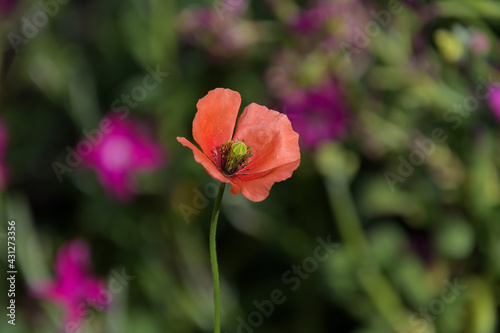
(390,224)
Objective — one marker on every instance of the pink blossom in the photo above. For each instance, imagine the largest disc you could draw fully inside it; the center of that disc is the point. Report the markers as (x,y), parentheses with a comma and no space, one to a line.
(494,100)
(220,29)
(7,5)
(315,18)
(74,288)
(126,150)
(336,21)
(479,42)
(318,114)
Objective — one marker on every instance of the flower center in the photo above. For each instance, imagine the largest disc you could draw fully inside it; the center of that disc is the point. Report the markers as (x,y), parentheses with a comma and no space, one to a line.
(117,154)
(234,156)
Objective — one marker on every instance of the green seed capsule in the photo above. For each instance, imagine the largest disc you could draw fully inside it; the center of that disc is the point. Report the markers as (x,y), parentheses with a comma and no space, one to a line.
(238,150)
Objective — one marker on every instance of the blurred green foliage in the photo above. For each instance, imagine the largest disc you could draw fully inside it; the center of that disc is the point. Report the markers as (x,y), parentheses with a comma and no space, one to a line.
(402,241)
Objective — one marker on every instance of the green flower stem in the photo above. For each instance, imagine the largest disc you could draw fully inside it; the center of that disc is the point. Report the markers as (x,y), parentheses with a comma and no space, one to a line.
(213,257)
(376,286)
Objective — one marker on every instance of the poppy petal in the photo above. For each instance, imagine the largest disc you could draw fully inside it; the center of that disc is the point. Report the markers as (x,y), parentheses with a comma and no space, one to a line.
(201,158)
(214,122)
(272,139)
(258,188)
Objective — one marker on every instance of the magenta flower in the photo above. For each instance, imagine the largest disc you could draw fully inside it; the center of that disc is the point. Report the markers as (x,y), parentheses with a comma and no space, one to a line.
(220,29)
(333,28)
(318,115)
(337,19)
(74,288)
(125,150)
(3,150)
(479,42)
(494,100)
(315,18)
(6,5)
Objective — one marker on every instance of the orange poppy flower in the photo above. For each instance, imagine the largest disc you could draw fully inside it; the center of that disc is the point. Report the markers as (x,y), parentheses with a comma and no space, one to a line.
(264,148)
